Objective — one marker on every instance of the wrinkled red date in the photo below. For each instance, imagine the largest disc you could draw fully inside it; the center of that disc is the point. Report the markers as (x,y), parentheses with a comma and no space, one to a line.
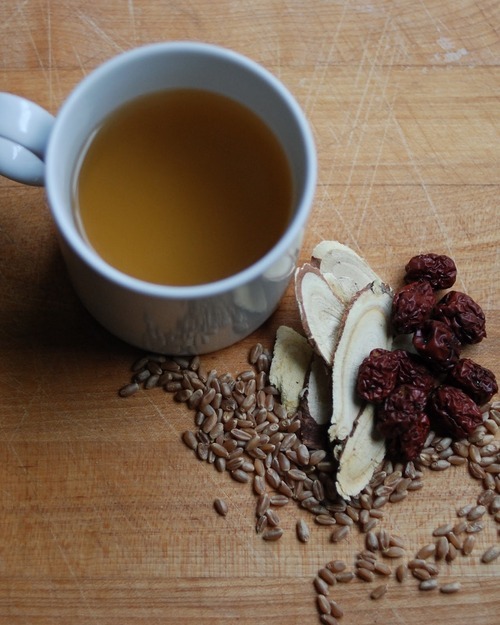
(410,440)
(453,411)
(463,315)
(411,306)
(435,387)
(475,380)
(438,269)
(403,421)
(377,375)
(437,344)
(412,370)
(400,408)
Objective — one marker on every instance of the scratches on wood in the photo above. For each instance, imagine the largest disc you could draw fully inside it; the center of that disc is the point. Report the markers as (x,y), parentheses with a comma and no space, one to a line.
(98,31)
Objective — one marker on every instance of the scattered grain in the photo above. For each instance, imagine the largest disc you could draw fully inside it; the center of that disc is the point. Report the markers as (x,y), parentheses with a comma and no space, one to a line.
(371,541)
(369,525)
(272,517)
(336,610)
(456,460)
(365,575)
(380,501)
(426,551)
(442,530)
(421,574)
(324,606)
(129,389)
(327,576)
(190,439)
(452,552)
(476,470)
(440,465)
(343,519)
(416,563)
(450,588)
(468,545)
(416,484)
(384,539)
(393,552)
(476,513)
(494,505)
(474,454)
(401,573)
(240,476)
(490,554)
(428,584)
(340,532)
(337,566)
(486,497)
(261,524)
(263,503)
(328,619)
(378,592)
(398,496)
(475,527)
(279,500)
(322,588)
(302,529)
(242,428)
(381,568)
(361,563)
(442,546)
(221,507)
(272,534)
(454,540)
(464,510)
(367,555)
(345,577)
(432,568)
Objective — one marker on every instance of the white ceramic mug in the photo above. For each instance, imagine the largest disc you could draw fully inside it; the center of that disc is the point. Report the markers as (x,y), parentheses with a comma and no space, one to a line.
(36,148)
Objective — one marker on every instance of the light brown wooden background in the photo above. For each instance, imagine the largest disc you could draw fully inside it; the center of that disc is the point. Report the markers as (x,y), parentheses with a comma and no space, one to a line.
(105,517)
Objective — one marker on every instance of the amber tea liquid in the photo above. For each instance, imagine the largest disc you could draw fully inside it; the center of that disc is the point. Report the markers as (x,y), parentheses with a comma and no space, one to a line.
(183,187)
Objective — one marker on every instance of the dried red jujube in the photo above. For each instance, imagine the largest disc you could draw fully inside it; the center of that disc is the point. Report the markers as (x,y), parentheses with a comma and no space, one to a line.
(438,269)
(377,375)
(408,442)
(411,306)
(453,412)
(475,380)
(463,315)
(412,370)
(437,344)
(400,408)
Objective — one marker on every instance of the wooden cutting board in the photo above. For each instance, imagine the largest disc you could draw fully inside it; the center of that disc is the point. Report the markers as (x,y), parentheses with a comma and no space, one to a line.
(106,517)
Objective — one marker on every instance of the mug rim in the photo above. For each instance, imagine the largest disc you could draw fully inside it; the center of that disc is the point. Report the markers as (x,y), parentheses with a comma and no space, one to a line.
(76,241)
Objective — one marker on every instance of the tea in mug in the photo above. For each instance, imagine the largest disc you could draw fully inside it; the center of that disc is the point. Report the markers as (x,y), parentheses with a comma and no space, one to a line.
(183,187)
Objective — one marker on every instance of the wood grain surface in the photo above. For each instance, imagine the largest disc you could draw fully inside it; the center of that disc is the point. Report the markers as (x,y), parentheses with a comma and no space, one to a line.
(105,516)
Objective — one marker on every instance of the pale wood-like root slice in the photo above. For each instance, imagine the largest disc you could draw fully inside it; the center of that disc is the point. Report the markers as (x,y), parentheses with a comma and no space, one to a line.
(316,405)
(347,269)
(360,455)
(365,326)
(319,386)
(320,310)
(289,366)
(342,287)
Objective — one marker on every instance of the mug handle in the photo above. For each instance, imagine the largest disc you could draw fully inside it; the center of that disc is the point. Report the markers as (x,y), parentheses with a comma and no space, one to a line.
(25,128)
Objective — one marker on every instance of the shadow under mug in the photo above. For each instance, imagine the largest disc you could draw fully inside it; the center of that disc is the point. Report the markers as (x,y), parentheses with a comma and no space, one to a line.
(36,148)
